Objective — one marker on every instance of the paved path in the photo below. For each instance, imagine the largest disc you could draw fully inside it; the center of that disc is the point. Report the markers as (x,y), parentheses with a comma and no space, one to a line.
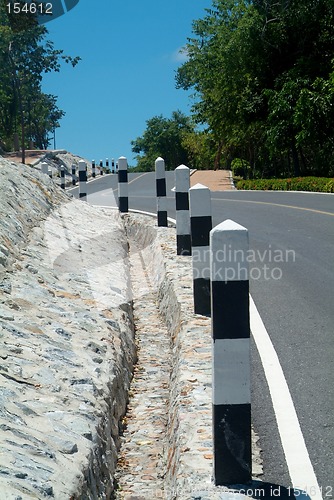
(216,180)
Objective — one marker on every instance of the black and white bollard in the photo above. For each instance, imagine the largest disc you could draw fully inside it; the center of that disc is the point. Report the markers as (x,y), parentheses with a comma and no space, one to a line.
(107,166)
(82,180)
(62,177)
(123,200)
(93,169)
(113,166)
(182,185)
(50,172)
(73,174)
(116,167)
(200,227)
(231,354)
(45,168)
(160,180)
(101,167)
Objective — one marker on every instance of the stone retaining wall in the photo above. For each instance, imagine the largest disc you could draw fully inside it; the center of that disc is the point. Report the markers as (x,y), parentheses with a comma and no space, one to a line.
(67,347)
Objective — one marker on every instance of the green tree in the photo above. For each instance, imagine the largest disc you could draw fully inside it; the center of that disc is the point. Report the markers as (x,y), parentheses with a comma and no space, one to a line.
(200,147)
(163,137)
(259,69)
(299,39)
(220,68)
(25,55)
(42,118)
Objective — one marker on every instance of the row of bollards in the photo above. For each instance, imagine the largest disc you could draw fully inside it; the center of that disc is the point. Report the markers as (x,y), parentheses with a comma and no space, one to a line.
(200,227)
(230,326)
(106,168)
(160,176)
(46,169)
(182,185)
(82,179)
(123,195)
(220,289)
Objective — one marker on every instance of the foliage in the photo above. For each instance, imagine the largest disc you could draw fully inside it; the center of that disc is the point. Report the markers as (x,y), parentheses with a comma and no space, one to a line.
(319,184)
(163,137)
(240,168)
(262,74)
(25,55)
(200,149)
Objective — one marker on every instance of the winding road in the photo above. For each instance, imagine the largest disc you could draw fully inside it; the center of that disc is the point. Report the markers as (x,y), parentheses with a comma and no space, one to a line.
(292,284)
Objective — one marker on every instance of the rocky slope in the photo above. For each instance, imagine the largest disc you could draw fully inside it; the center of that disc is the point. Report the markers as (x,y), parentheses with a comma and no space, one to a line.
(67,346)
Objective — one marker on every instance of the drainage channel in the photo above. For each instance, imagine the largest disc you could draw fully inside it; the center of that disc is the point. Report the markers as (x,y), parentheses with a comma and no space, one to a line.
(166,448)
(141,464)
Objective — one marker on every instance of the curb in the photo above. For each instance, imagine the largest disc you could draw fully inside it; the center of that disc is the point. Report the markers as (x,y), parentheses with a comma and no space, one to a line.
(279,191)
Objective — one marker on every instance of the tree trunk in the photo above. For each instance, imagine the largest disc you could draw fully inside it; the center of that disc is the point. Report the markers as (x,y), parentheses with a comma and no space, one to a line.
(218,156)
(17,86)
(295,158)
(23,150)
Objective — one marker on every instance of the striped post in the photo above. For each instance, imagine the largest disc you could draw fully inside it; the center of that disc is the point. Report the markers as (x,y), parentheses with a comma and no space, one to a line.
(73,174)
(107,165)
(116,167)
(200,227)
(113,166)
(82,180)
(62,177)
(101,167)
(123,200)
(182,185)
(231,354)
(160,180)
(45,168)
(93,169)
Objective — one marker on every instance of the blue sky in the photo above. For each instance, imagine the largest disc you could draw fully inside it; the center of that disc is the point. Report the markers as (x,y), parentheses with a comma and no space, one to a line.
(129,52)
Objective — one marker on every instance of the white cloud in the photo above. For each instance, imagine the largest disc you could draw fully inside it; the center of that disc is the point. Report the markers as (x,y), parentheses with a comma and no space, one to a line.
(180,55)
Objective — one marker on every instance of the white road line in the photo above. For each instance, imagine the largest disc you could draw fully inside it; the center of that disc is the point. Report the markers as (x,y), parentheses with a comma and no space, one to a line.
(136,178)
(298,461)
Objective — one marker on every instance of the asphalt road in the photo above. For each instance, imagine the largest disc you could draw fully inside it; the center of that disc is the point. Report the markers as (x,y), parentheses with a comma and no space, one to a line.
(292,280)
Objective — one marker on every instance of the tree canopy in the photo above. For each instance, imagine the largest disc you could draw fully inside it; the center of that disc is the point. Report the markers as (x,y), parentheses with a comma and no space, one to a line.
(163,137)
(262,72)
(25,55)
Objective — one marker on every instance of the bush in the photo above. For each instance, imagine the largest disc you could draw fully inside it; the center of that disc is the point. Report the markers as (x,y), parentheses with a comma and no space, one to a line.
(240,168)
(330,186)
(316,184)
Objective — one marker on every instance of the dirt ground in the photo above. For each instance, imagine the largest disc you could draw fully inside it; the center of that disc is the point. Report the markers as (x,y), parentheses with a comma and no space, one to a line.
(215,180)
(31,156)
